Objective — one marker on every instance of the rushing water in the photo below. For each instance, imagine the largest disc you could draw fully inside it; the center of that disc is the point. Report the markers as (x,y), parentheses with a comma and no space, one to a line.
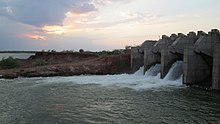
(15,55)
(117,99)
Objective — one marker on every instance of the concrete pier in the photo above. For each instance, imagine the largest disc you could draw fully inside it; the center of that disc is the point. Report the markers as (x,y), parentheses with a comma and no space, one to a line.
(195,70)
(149,57)
(164,43)
(182,41)
(174,52)
(162,50)
(167,59)
(216,68)
(200,53)
(137,58)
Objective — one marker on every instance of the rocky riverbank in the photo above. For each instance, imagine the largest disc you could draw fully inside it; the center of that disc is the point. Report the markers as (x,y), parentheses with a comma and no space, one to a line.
(68,64)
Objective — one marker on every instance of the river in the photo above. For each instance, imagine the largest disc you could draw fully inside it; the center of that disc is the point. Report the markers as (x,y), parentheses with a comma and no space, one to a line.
(119,99)
(15,55)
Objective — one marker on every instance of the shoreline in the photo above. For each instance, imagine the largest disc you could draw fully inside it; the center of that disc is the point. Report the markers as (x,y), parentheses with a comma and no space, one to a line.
(17,52)
(68,64)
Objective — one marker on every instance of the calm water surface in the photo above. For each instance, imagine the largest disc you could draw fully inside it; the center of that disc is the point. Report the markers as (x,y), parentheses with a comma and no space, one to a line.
(106,99)
(16,55)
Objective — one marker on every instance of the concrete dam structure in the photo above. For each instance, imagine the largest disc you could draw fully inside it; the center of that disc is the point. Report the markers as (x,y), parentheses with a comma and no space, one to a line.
(199,52)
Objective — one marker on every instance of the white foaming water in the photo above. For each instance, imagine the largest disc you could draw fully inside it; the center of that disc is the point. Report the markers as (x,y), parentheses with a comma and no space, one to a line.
(121,81)
(175,71)
(140,71)
(135,81)
(153,71)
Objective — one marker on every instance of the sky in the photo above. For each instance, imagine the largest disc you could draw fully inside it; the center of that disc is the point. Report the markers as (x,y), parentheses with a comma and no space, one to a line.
(96,25)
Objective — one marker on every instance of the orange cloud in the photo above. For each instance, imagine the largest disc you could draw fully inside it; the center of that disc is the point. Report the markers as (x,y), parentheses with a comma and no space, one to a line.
(55,29)
(34,36)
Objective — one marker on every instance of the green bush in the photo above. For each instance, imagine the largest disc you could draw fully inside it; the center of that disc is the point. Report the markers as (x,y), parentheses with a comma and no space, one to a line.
(40,63)
(8,63)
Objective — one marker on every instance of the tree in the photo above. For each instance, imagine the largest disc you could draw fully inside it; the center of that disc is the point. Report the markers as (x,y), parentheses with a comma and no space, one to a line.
(81,50)
(8,63)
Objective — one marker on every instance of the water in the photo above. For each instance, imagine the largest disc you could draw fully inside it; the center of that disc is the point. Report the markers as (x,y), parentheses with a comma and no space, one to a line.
(107,99)
(140,71)
(16,55)
(153,71)
(175,71)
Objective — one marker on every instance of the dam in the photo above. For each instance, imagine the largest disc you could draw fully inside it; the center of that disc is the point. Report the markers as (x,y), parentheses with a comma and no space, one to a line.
(199,52)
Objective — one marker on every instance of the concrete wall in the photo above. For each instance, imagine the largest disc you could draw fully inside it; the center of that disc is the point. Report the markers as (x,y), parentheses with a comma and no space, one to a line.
(175,51)
(164,43)
(162,54)
(200,53)
(182,41)
(167,59)
(137,58)
(196,71)
(216,68)
(148,44)
(150,59)
(205,44)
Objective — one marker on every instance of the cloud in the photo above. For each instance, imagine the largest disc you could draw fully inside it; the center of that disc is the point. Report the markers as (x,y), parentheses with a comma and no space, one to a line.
(107,2)
(33,36)
(182,15)
(123,18)
(2,4)
(9,33)
(196,15)
(43,12)
(55,29)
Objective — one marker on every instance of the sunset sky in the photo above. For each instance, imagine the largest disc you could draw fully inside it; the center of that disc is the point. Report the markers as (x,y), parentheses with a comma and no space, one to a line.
(99,24)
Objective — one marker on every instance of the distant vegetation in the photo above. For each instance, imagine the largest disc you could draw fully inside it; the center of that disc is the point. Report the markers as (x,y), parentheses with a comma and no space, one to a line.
(8,63)
(18,51)
(126,50)
(81,50)
(116,51)
(41,63)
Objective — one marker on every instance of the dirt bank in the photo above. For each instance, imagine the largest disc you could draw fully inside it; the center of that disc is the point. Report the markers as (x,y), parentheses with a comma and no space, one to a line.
(68,64)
